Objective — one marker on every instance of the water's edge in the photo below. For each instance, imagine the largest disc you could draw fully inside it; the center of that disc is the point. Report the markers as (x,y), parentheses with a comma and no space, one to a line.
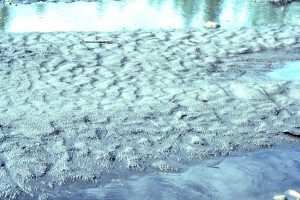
(141,14)
(247,175)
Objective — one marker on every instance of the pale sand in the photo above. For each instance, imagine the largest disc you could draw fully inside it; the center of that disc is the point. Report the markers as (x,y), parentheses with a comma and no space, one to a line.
(72,110)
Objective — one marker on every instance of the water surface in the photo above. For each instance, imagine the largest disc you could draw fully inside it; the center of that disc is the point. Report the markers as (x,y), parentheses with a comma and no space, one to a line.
(259,175)
(290,71)
(111,15)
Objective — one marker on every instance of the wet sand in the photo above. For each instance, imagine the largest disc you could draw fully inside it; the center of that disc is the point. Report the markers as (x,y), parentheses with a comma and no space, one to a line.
(78,111)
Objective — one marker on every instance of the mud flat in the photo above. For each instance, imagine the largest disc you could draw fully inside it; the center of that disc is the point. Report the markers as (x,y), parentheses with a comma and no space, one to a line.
(141,101)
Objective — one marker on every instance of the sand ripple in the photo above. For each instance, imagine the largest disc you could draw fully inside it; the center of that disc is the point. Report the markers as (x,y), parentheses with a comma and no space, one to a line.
(72,110)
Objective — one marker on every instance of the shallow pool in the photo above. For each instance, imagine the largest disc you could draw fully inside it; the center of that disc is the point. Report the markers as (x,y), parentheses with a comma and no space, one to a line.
(290,71)
(108,15)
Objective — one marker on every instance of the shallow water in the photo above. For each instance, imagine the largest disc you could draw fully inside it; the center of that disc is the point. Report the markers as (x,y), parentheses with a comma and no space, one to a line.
(291,71)
(259,175)
(110,15)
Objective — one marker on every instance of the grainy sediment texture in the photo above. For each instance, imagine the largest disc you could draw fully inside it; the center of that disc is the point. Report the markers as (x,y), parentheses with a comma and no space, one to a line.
(72,110)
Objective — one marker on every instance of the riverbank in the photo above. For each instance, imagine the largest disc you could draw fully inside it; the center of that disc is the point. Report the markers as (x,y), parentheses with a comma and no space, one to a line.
(80,106)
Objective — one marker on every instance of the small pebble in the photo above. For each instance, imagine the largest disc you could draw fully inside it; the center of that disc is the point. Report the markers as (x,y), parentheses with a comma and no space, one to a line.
(211,25)
(195,140)
(180,115)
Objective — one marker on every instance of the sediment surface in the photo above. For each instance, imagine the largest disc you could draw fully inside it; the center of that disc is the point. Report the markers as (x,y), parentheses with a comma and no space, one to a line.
(73,110)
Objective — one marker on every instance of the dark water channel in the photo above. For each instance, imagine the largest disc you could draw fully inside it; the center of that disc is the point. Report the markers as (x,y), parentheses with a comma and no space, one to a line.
(251,176)
(109,15)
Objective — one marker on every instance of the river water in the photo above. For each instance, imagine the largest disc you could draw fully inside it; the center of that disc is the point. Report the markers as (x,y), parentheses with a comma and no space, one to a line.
(108,15)
(250,176)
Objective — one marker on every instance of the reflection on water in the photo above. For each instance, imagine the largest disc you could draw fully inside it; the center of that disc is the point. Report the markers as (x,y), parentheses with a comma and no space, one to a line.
(40,9)
(291,71)
(142,14)
(214,8)
(259,175)
(4,17)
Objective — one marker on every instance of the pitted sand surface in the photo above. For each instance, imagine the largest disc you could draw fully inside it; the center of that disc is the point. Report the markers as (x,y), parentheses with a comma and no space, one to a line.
(72,110)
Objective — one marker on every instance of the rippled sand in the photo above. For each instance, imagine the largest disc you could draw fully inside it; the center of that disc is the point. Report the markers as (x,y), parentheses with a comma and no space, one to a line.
(72,110)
